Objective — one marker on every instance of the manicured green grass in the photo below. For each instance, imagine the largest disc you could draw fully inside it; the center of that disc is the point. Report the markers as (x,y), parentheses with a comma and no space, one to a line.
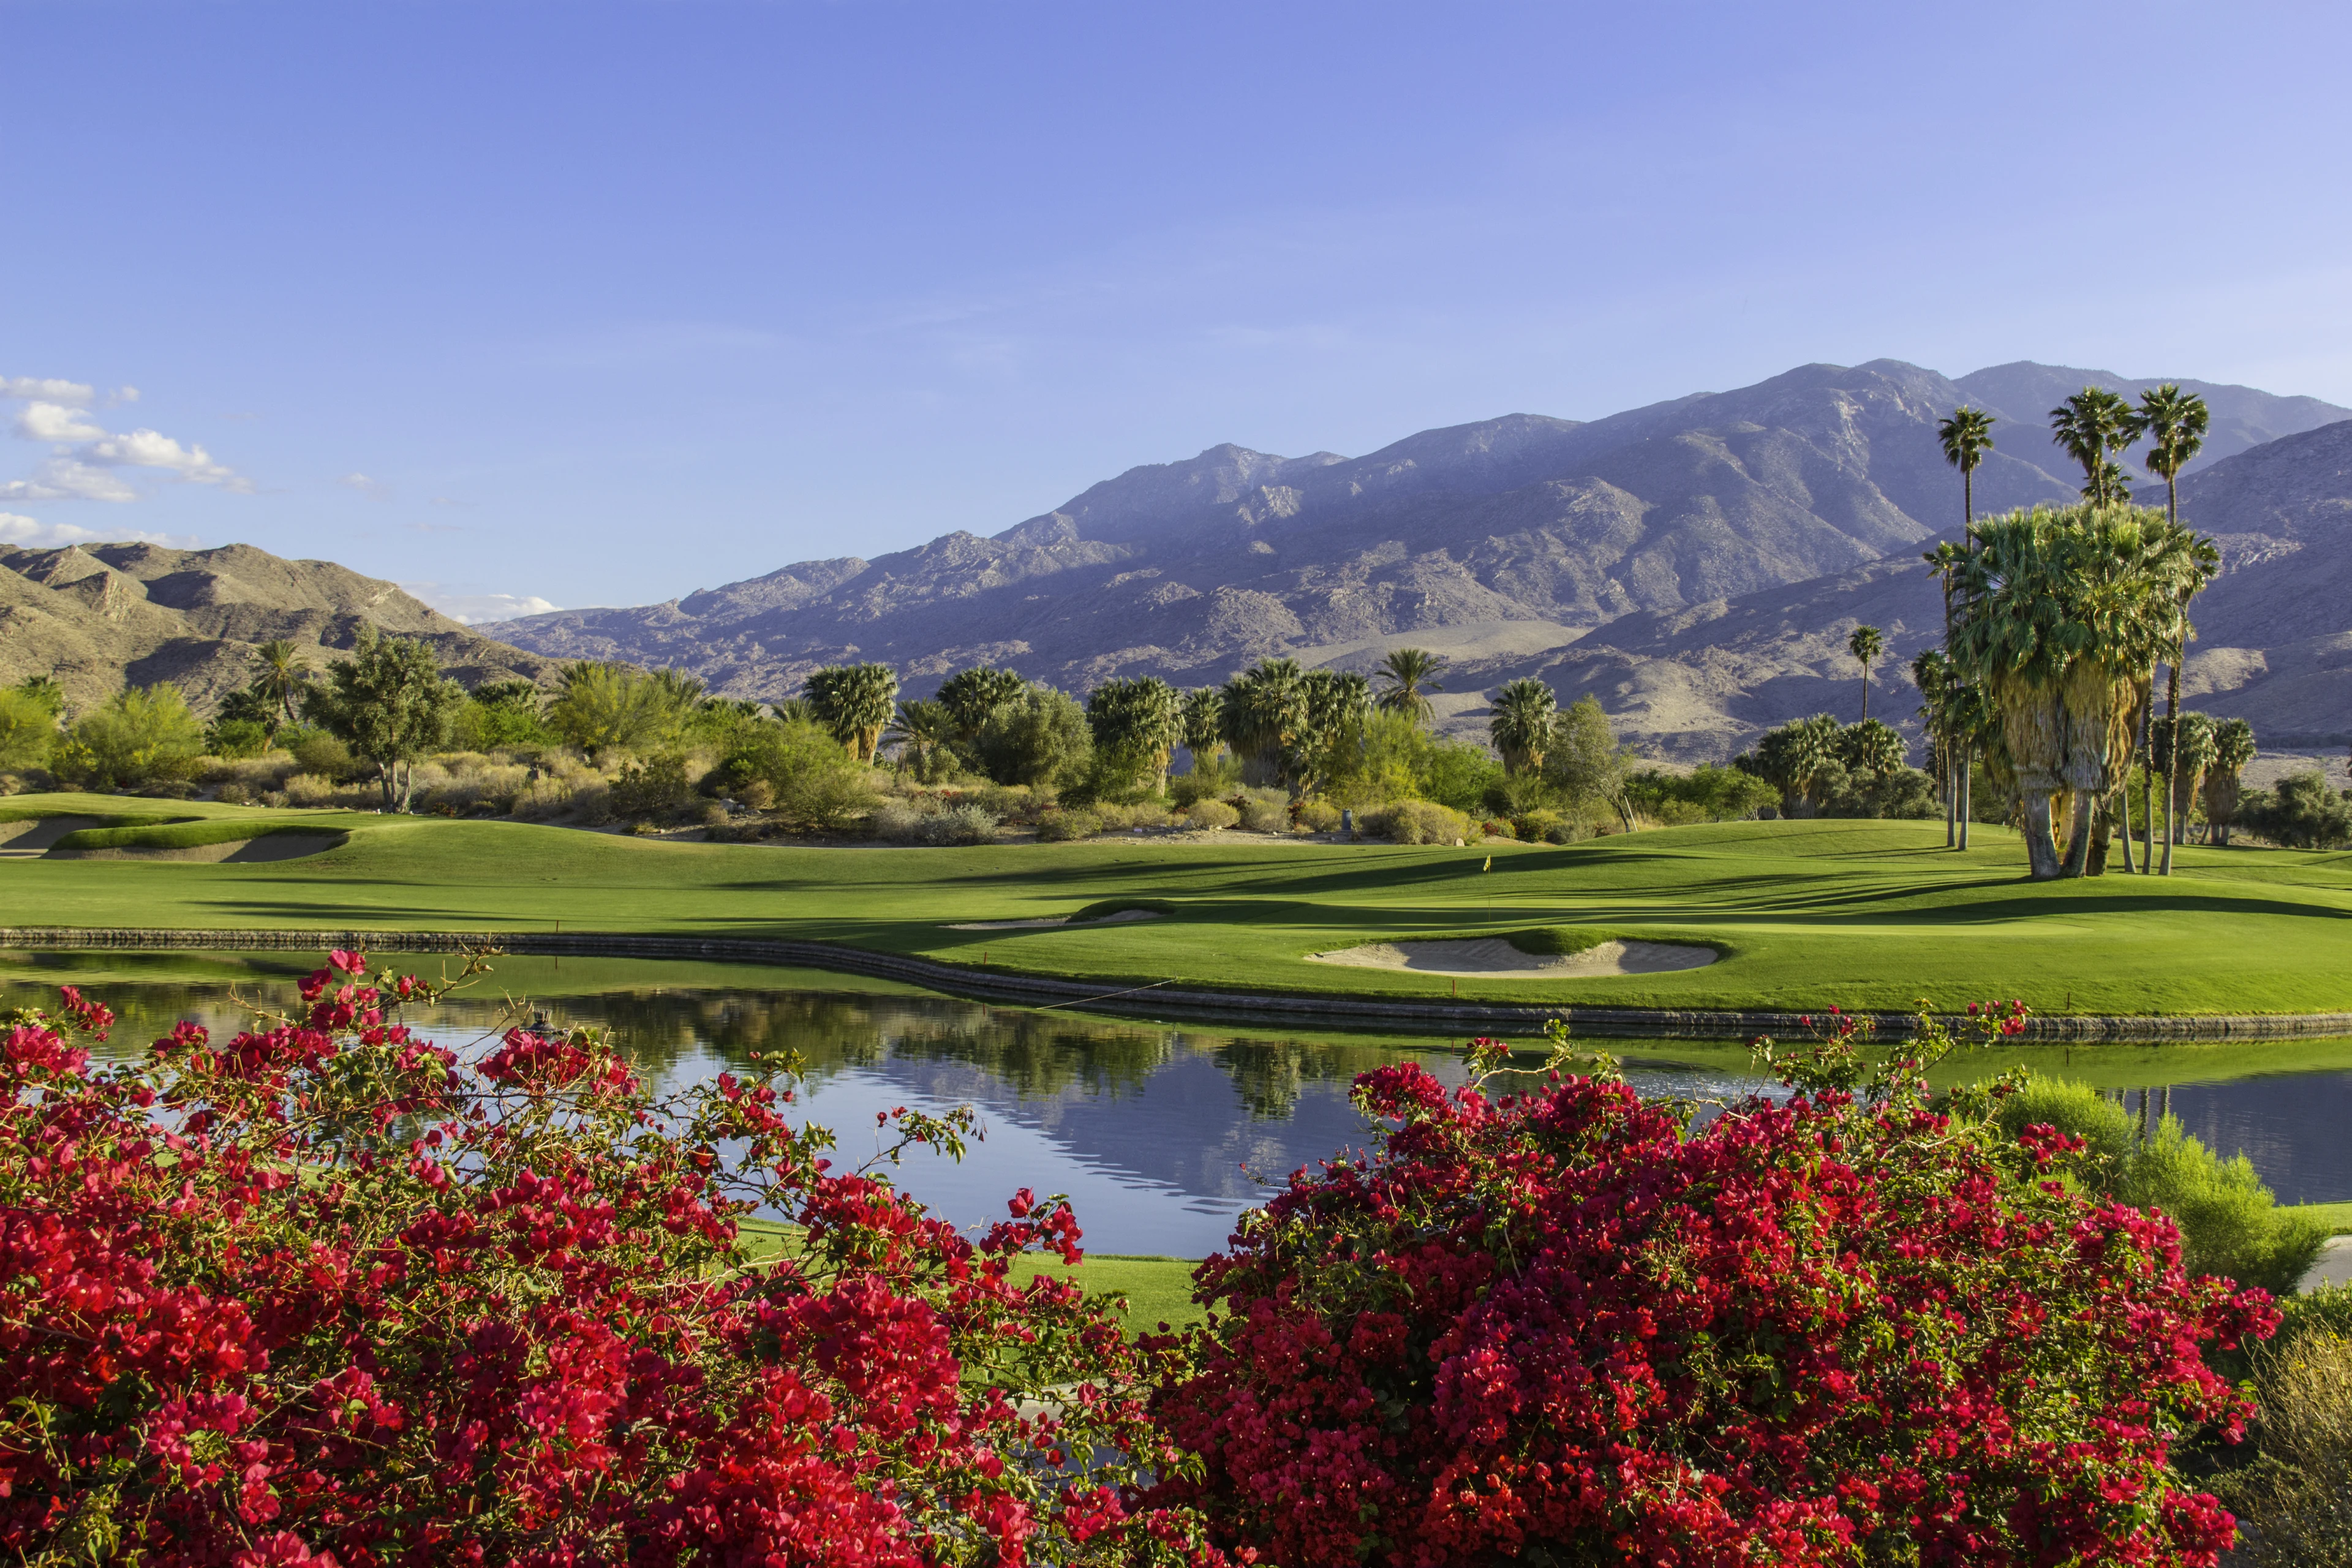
(1864,914)
(2337,1217)
(194,834)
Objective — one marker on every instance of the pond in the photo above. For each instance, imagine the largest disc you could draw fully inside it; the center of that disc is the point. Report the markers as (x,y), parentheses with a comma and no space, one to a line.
(1161,1134)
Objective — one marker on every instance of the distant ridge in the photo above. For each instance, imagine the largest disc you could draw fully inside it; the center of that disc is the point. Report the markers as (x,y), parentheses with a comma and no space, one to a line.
(98,616)
(1690,562)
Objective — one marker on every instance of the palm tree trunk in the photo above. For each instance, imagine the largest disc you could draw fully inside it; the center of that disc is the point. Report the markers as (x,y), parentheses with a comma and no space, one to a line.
(2040,852)
(1967,764)
(2122,805)
(2172,761)
(2081,807)
(1951,794)
(1866,690)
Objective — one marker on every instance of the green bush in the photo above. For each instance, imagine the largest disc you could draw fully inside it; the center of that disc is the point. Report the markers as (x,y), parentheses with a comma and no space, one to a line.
(1318,817)
(237,738)
(1214,781)
(137,739)
(2231,1224)
(1062,826)
(1041,737)
(28,730)
(656,787)
(1263,810)
(1499,828)
(2301,813)
(316,752)
(1456,774)
(1707,794)
(1546,827)
(960,825)
(1418,822)
(1211,815)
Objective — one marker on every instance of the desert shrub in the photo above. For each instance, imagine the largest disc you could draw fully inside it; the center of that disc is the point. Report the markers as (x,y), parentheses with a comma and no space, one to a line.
(1568,1327)
(232,794)
(2300,813)
(1898,793)
(1211,779)
(316,752)
(1263,810)
(469,784)
(383,1303)
(1062,826)
(1418,822)
(560,785)
(2294,1499)
(961,824)
(826,797)
(310,791)
(1211,814)
(1707,794)
(1499,828)
(656,787)
(2231,1224)
(1318,817)
(1544,827)
(896,822)
(255,775)
(1457,774)
(137,739)
(238,739)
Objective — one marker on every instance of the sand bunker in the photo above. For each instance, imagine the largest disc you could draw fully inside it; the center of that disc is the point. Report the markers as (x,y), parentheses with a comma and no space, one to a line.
(234,851)
(1492,958)
(1121,918)
(35,836)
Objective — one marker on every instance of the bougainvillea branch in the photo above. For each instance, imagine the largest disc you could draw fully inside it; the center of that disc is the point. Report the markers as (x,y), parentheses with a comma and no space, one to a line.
(328,1293)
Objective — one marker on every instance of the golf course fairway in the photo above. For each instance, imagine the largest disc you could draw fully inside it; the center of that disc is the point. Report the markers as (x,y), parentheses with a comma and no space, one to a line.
(1804,914)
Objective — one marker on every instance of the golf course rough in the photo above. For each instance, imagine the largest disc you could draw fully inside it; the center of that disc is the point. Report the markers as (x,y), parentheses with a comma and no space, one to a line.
(1866,915)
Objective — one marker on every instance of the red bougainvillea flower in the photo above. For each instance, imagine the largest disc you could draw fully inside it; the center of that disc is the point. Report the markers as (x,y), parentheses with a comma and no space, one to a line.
(328,1294)
(1576,1327)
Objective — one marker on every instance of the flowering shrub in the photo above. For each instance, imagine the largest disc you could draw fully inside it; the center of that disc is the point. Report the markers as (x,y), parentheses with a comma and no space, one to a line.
(1566,1328)
(327,1292)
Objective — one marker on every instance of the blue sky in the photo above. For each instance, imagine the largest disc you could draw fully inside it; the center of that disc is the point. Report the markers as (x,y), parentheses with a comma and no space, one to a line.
(590,303)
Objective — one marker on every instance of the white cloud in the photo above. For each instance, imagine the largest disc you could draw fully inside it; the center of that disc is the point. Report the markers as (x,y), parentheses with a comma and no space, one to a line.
(374,489)
(49,389)
(479,609)
(67,478)
(34,535)
(55,422)
(152,450)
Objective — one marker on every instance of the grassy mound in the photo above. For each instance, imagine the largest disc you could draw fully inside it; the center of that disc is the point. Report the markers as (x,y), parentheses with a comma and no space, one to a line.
(1559,942)
(195,835)
(1102,910)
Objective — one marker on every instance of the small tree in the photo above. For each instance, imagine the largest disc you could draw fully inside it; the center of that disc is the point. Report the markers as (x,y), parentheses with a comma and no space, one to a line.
(1581,760)
(1042,739)
(389,703)
(281,673)
(925,736)
(608,707)
(1866,644)
(137,738)
(28,730)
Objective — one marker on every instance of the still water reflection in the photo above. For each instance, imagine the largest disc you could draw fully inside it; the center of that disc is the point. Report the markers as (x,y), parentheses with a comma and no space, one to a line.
(1160,1134)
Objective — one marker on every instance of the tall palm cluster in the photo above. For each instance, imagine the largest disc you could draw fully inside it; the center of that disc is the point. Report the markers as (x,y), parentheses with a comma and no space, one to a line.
(1282,721)
(2055,621)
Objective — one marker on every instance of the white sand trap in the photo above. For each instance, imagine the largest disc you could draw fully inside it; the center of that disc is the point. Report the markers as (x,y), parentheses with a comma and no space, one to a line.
(1492,958)
(234,851)
(34,836)
(1121,918)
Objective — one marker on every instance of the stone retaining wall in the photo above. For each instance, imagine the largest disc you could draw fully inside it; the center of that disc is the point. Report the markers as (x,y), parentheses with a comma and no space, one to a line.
(1164,1001)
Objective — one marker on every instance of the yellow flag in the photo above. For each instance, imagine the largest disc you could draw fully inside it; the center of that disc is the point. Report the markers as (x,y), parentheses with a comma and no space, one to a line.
(1489,864)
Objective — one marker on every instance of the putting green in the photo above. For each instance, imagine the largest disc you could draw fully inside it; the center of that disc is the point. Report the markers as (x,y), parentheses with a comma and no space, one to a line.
(1864,914)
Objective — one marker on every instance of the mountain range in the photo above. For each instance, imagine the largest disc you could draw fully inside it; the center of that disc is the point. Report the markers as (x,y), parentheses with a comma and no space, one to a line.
(1695,564)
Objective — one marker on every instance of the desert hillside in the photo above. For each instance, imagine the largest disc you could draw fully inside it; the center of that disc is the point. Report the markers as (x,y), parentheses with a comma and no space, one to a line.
(105,615)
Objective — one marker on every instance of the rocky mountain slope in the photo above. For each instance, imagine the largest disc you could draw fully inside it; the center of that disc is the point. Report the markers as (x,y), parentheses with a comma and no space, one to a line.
(100,617)
(1696,562)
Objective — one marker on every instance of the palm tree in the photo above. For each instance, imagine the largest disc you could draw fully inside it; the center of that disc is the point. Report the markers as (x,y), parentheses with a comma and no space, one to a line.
(973,696)
(1966,436)
(2177,422)
(1203,712)
(1261,714)
(1932,672)
(2184,748)
(281,672)
(1790,758)
(924,732)
(2090,425)
(1521,724)
(1407,676)
(2234,748)
(1866,644)
(855,702)
(2063,611)
(1871,747)
(1140,720)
